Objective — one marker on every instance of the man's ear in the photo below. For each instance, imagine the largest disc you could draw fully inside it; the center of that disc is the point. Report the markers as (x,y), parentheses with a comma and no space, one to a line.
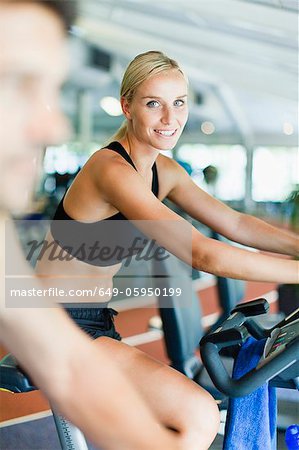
(125,106)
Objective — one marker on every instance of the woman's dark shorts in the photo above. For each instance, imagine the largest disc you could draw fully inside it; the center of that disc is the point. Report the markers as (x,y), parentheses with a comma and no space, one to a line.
(96,322)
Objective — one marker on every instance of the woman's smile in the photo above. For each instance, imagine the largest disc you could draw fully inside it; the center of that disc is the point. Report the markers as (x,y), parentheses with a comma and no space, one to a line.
(166,133)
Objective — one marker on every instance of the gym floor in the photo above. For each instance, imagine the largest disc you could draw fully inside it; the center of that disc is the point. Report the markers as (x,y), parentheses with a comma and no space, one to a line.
(132,323)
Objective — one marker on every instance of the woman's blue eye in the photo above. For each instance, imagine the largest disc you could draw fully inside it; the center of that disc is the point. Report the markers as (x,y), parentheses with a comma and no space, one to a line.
(179,103)
(152,104)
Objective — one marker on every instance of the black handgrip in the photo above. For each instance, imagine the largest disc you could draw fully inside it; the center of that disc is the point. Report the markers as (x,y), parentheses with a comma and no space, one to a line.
(253,308)
(241,313)
(226,338)
(253,379)
(12,378)
(239,318)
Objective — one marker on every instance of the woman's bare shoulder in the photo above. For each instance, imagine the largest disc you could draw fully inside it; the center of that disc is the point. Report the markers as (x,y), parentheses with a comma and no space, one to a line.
(103,161)
(167,163)
(169,171)
(104,155)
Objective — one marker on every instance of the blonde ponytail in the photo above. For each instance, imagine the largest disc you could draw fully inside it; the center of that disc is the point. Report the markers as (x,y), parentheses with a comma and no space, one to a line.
(119,134)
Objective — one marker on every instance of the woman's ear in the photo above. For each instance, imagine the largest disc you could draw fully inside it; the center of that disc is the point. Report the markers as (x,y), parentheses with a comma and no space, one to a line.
(125,106)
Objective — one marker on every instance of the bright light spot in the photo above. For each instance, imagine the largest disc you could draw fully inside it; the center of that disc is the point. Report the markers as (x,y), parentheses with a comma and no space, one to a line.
(77,31)
(111,106)
(207,127)
(61,160)
(288,128)
(50,184)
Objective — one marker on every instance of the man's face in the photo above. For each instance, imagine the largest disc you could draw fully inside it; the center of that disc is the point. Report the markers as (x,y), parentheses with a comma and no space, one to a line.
(33,66)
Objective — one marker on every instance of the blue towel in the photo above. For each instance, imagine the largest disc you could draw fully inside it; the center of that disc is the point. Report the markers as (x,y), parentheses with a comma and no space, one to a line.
(251,420)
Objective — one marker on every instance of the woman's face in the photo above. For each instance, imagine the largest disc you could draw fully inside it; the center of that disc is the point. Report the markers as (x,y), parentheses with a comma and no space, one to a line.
(159,111)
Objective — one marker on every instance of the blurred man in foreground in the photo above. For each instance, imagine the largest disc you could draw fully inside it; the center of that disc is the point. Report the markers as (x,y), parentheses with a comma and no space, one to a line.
(61,360)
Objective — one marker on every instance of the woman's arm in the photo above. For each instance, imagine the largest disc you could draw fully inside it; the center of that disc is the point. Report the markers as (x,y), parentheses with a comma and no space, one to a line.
(127,192)
(256,233)
(229,261)
(242,228)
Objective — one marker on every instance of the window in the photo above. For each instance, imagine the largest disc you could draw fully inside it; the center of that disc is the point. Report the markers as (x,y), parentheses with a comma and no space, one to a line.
(229,160)
(275,173)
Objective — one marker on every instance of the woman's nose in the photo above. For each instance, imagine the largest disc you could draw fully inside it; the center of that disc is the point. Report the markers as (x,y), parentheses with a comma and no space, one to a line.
(168,116)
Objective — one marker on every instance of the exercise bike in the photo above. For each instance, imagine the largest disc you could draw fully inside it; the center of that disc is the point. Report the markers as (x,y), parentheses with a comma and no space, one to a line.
(279,364)
(14,380)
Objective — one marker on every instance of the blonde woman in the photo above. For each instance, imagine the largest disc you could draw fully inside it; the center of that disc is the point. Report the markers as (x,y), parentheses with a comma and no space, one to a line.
(127,180)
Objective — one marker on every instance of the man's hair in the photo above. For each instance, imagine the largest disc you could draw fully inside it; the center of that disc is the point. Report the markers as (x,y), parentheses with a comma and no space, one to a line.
(66,10)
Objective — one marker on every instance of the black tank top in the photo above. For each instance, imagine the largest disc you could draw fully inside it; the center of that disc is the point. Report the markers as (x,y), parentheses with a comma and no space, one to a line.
(91,242)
